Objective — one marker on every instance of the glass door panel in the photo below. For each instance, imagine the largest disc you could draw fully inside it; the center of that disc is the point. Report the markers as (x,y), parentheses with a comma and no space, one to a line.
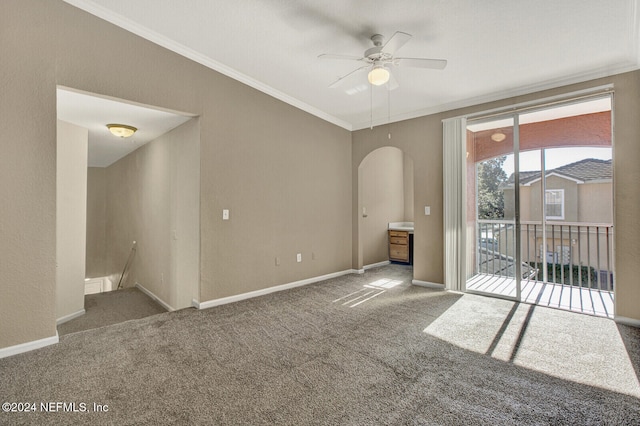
(566,206)
(491,235)
(531,225)
(578,206)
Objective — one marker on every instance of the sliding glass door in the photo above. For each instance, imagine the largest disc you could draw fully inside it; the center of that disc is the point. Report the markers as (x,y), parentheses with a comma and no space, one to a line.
(491,207)
(540,206)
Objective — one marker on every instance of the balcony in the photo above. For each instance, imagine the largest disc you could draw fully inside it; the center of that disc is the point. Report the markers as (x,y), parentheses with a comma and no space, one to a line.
(563,265)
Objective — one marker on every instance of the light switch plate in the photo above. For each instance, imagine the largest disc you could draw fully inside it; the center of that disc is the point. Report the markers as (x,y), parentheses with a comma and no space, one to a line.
(299,257)
(225,214)
(427,210)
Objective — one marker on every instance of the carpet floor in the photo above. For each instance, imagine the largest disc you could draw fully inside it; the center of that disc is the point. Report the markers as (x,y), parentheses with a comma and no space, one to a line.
(355,350)
(112,307)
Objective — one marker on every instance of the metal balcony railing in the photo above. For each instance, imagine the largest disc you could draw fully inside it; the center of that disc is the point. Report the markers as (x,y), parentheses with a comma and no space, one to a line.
(576,254)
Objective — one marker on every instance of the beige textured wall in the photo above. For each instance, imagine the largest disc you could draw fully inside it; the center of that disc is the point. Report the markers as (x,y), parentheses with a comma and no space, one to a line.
(186,239)
(626,172)
(71,225)
(96,265)
(421,139)
(285,177)
(28,173)
(138,209)
(284,174)
(408,188)
(152,198)
(382,177)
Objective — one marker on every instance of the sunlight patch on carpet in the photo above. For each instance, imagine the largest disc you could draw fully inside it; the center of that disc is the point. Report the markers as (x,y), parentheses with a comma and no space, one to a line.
(384,283)
(570,346)
(368,292)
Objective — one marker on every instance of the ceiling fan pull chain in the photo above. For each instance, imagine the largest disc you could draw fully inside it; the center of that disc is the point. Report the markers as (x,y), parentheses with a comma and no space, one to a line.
(371,105)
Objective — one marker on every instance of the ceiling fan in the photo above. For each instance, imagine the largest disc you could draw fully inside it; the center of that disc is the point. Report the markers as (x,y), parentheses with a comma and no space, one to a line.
(380,57)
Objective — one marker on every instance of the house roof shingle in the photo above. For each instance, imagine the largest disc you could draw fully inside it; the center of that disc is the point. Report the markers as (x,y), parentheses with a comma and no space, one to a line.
(584,171)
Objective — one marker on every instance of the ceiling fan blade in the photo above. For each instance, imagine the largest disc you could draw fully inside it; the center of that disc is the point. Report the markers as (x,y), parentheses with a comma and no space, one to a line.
(396,41)
(436,64)
(392,84)
(341,79)
(342,57)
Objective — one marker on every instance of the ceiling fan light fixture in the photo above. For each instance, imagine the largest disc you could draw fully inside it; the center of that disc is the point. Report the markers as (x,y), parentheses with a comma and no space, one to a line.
(121,130)
(498,136)
(379,75)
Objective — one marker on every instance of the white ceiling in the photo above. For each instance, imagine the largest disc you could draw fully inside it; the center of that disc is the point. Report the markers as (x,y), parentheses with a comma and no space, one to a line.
(94,113)
(494,48)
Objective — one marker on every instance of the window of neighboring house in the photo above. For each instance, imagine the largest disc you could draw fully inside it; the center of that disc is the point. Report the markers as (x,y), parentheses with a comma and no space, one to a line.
(554,204)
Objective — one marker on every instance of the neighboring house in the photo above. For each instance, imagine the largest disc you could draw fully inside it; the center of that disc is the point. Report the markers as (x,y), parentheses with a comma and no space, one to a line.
(579,230)
(576,192)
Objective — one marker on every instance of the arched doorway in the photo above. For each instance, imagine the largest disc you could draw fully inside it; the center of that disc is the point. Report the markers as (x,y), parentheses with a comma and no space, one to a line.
(385,195)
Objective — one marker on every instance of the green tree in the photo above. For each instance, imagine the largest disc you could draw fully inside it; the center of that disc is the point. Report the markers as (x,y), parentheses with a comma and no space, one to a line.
(490,197)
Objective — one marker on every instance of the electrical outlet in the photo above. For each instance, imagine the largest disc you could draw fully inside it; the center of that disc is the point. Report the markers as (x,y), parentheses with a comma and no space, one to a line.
(299,257)
(225,214)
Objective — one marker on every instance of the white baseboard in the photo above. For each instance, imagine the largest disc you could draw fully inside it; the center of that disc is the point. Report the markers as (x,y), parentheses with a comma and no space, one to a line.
(69,317)
(627,321)
(428,284)
(29,346)
(262,292)
(376,265)
(154,297)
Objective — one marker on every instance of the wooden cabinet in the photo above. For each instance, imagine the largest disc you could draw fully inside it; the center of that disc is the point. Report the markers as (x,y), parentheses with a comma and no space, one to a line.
(399,246)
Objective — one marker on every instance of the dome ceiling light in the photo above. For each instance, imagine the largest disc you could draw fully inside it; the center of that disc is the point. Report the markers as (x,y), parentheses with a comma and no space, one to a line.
(121,130)
(498,136)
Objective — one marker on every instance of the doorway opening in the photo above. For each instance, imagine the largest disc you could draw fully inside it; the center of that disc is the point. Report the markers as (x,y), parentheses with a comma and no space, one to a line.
(385,208)
(124,201)
(540,206)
